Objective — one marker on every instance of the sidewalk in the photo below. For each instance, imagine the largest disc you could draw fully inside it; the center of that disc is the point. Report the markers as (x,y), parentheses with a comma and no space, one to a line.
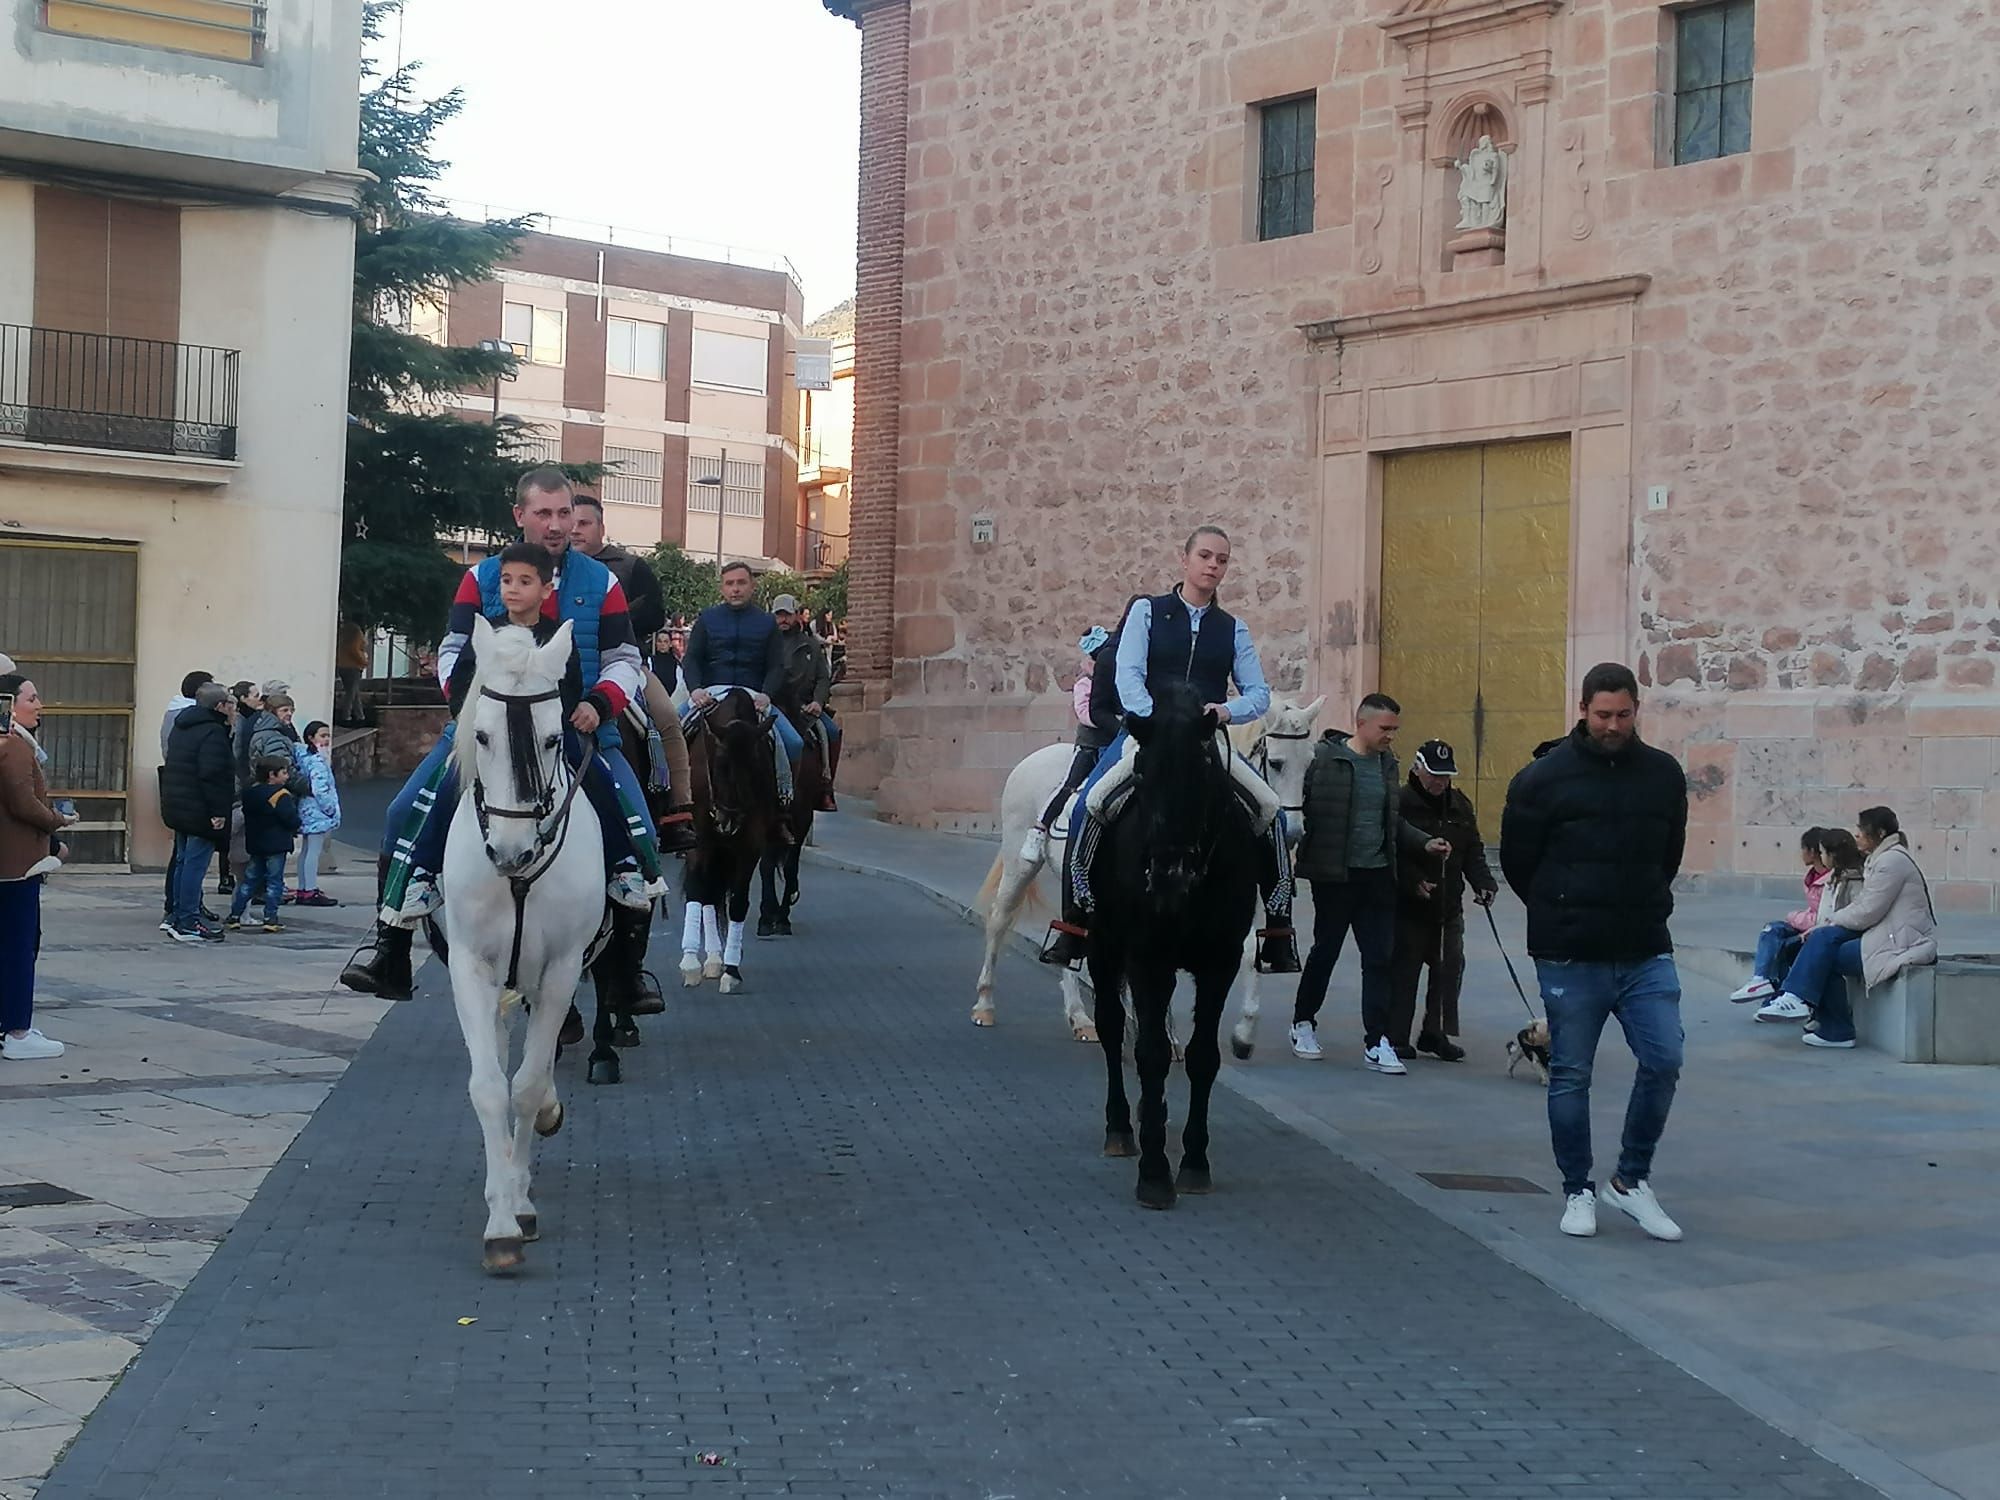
(1843,1234)
(189,1072)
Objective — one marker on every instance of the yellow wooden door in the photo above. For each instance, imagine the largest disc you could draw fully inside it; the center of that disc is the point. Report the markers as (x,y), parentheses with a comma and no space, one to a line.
(1475,605)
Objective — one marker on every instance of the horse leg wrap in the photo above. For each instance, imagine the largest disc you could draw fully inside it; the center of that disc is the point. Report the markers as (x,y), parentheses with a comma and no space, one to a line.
(691,929)
(711,931)
(732,950)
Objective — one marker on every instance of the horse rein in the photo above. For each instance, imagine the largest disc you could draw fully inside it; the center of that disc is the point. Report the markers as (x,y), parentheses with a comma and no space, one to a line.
(1260,757)
(552,823)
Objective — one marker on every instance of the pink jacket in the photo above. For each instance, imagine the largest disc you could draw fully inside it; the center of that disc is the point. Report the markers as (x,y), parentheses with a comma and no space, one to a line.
(1080,696)
(1803,921)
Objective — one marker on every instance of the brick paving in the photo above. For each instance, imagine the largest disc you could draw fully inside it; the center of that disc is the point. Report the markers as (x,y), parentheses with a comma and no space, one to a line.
(832,1233)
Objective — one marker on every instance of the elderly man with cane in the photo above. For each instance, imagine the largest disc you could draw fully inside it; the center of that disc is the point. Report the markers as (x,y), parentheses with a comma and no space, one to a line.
(1430,905)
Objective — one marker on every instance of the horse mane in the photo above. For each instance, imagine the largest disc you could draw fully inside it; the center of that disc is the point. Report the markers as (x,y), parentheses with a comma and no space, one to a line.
(504,666)
(1173,743)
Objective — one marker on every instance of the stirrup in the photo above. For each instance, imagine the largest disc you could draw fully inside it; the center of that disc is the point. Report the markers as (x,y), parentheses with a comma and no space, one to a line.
(1065,945)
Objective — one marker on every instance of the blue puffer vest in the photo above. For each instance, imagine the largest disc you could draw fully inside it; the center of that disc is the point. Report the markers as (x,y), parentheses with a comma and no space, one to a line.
(739,645)
(585,582)
(1176,653)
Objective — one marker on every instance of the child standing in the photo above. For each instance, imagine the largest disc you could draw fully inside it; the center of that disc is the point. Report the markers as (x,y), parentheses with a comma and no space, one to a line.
(270,819)
(319,809)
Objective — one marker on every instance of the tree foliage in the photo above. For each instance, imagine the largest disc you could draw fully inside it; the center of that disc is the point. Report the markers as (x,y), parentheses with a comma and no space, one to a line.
(416,469)
(690,586)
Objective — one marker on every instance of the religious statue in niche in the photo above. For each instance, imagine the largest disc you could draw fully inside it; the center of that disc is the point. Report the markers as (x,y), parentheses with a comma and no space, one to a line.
(1482,187)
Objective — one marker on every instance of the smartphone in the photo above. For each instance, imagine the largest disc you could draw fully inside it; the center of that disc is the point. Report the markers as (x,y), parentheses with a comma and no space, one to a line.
(6,712)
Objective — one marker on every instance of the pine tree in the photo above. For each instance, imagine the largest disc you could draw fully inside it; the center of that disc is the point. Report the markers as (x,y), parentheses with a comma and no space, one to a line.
(416,469)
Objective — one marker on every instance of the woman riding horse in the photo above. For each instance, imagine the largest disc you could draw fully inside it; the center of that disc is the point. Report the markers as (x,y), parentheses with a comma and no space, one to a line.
(1185,637)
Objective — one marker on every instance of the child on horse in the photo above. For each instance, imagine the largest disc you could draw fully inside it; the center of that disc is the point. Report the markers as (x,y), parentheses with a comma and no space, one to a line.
(1185,636)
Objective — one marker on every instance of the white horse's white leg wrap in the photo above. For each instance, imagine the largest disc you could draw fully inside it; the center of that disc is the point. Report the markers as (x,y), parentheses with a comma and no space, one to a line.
(691,929)
(732,950)
(711,931)
(1112,780)
(1252,786)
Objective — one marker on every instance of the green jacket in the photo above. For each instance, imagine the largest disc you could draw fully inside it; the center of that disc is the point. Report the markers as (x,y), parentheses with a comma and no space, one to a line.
(807,678)
(1329,803)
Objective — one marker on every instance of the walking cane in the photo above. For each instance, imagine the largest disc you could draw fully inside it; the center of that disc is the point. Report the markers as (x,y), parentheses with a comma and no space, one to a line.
(1510,964)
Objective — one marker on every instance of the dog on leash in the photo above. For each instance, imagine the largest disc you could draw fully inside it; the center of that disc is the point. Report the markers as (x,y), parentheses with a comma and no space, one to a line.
(1530,1045)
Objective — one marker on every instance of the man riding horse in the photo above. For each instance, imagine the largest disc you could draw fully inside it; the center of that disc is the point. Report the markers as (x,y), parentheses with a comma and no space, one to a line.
(736,644)
(806,686)
(587,595)
(1185,636)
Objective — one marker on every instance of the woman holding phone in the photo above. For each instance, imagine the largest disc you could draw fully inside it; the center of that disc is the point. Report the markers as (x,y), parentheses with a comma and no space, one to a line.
(28,823)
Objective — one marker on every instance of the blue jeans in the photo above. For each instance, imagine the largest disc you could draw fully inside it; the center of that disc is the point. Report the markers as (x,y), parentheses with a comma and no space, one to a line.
(1579,997)
(264,876)
(1106,758)
(1777,947)
(609,767)
(1831,956)
(21,924)
(189,873)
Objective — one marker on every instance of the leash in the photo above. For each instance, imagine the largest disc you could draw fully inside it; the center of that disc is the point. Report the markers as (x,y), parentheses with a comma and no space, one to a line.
(1495,926)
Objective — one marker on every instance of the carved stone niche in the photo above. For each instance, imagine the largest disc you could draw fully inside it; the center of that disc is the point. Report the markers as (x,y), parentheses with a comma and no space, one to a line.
(1477,80)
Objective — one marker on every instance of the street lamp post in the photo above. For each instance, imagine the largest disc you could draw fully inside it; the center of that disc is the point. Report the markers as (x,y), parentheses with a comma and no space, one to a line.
(495,346)
(720,481)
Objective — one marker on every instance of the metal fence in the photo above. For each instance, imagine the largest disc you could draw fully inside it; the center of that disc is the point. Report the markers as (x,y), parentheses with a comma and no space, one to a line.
(98,390)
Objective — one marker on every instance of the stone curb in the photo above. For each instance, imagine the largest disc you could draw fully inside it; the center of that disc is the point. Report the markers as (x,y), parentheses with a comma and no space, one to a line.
(1856,1455)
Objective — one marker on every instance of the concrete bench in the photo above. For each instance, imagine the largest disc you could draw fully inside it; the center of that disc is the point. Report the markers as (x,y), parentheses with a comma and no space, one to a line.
(1947,1012)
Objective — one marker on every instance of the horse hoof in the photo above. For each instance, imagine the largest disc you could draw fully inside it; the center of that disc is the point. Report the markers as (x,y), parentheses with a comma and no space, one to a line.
(1084,1034)
(625,1033)
(690,972)
(1155,1194)
(982,1016)
(502,1255)
(766,927)
(603,1069)
(732,979)
(548,1122)
(1194,1180)
(1120,1143)
(531,1227)
(1240,1048)
(712,969)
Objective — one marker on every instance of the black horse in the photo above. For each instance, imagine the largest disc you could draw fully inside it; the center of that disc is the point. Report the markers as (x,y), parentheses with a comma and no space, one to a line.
(774,913)
(736,811)
(1174,886)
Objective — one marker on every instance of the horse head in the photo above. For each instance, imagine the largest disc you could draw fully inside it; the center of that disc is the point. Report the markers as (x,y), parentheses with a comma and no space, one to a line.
(737,754)
(1182,794)
(1280,746)
(509,740)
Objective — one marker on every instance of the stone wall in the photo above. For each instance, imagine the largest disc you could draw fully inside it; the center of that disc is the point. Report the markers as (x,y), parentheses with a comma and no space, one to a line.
(1096,353)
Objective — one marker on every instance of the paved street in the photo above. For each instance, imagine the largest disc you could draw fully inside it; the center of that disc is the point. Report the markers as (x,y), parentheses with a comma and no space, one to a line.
(833,1235)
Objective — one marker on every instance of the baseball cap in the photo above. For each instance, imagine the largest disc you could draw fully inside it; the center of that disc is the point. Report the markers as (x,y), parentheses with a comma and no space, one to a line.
(1436,757)
(784,604)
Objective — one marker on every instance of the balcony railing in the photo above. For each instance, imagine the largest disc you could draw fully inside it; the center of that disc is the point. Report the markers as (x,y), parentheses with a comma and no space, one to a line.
(96,390)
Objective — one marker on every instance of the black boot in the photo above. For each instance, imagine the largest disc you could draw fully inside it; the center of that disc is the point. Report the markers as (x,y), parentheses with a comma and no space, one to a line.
(677,831)
(386,970)
(629,933)
(1277,947)
(1440,1046)
(1068,942)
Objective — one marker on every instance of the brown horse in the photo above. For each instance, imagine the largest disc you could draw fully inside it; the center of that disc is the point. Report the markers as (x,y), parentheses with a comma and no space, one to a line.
(736,819)
(774,915)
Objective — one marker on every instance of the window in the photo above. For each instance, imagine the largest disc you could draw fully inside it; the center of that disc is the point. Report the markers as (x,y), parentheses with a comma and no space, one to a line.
(1285,167)
(742,496)
(634,477)
(635,348)
(535,332)
(538,445)
(232,30)
(426,319)
(730,361)
(1713,54)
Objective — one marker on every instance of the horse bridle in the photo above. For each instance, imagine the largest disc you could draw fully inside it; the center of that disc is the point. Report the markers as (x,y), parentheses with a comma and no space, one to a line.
(551,819)
(1260,757)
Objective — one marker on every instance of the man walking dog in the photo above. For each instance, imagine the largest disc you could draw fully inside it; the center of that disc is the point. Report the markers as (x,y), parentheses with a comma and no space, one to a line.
(1591,841)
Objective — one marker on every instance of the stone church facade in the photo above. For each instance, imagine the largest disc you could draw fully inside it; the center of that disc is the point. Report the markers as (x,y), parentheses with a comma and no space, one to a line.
(1505,336)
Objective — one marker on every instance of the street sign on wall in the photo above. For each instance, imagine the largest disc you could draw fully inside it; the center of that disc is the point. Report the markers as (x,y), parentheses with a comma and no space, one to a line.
(815,364)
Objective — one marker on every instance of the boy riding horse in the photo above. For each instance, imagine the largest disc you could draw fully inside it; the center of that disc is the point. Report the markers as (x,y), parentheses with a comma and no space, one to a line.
(1185,636)
(584,593)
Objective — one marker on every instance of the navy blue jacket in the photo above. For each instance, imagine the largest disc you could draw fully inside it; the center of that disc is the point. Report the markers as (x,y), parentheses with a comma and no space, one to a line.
(270,819)
(734,646)
(1176,653)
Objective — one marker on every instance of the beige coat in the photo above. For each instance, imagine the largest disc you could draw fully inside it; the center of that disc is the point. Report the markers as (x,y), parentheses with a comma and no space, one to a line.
(1839,894)
(1893,914)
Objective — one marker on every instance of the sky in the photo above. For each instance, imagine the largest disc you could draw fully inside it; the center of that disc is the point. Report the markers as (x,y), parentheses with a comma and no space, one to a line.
(732,121)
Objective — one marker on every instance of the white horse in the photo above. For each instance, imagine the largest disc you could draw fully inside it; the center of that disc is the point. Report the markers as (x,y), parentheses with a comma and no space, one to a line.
(1278,745)
(523,897)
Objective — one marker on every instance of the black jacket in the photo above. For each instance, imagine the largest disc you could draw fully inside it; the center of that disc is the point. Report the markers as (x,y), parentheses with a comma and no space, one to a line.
(734,645)
(1331,787)
(807,677)
(198,781)
(270,819)
(1452,819)
(1592,843)
(643,598)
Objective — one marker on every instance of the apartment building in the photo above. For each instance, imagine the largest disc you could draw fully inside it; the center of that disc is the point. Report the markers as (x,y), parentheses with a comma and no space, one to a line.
(177,183)
(826,440)
(672,361)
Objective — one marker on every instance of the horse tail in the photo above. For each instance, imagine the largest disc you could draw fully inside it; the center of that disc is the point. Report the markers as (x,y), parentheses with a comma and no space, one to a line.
(1031,895)
(992,887)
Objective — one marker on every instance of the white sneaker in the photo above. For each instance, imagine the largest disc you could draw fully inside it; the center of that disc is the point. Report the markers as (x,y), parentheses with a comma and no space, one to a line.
(1382,1057)
(1814,1039)
(1580,1214)
(1305,1041)
(30,1047)
(1784,1008)
(1756,989)
(1035,847)
(419,901)
(628,889)
(167,922)
(1639,1202)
